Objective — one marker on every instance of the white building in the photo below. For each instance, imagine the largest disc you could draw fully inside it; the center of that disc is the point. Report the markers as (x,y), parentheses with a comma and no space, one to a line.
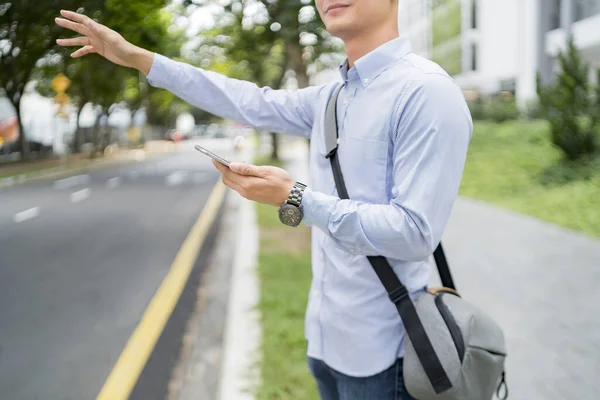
(494,45)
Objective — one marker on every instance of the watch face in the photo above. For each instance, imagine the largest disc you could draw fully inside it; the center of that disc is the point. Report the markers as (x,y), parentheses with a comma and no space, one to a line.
(290,215)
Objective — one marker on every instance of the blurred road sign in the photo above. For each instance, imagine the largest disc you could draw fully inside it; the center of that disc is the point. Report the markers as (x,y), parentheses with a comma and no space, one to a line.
(60,83)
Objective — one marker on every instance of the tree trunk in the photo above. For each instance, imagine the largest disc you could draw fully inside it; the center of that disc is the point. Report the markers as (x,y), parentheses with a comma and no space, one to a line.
(77,140)
(297,63)
(294,52)
(275,144)
(23,143)
(278,84)
(96,135)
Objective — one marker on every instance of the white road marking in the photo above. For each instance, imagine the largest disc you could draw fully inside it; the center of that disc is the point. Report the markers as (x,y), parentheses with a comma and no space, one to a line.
(80,195)
(72,181)
(27,214)
(113,182)
(177,178)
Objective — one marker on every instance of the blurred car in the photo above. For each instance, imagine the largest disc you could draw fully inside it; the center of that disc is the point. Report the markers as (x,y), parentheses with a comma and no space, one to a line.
(174,136)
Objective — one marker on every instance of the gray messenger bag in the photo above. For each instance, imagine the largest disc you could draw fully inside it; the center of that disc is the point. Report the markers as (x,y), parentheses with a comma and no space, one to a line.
(454,350)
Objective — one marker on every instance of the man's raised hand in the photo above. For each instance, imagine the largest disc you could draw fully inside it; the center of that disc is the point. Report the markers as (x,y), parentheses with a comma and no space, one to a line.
(97,38)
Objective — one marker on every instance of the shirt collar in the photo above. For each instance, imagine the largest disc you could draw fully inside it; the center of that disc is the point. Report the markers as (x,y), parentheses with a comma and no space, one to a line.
(372,64)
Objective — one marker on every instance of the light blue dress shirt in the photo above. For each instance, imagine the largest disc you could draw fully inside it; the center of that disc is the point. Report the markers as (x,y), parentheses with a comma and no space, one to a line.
(404,131)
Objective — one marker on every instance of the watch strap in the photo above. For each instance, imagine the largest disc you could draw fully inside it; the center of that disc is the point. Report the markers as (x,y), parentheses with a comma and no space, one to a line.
(295,197)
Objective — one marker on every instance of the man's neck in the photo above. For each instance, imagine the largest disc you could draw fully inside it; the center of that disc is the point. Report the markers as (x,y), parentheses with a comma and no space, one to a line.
(362,44)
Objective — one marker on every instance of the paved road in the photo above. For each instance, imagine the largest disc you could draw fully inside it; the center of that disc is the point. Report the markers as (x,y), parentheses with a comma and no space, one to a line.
(80,259)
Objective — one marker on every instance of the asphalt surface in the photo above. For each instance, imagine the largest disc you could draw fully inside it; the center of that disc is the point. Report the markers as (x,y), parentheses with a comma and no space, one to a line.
(81,258)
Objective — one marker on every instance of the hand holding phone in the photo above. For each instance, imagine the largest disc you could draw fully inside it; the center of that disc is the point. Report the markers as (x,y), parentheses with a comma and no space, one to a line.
(212,155)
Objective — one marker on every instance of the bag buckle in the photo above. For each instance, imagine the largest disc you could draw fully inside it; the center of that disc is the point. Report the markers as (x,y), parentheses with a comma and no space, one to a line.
(398,294)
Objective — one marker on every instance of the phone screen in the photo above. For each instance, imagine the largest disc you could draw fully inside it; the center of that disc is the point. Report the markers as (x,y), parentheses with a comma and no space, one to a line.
(211,155)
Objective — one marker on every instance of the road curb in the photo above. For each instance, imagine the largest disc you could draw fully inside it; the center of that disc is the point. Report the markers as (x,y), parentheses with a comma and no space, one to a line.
(240,373)
(58,172)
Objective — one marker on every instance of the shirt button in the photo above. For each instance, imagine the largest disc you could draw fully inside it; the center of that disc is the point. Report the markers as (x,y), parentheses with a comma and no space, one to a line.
(351,250)
(366,80)
(331,180)
(316,292)
(345,101)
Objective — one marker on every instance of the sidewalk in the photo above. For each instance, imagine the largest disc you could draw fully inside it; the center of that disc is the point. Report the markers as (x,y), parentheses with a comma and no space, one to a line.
(538,280)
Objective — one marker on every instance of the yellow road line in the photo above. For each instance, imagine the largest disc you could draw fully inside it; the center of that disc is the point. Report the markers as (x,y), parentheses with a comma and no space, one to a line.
(128,368)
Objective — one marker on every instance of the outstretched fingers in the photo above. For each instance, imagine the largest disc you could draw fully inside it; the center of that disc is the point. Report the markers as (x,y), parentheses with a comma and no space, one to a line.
(78,41)
(73,16)
(83,51)
(74,26)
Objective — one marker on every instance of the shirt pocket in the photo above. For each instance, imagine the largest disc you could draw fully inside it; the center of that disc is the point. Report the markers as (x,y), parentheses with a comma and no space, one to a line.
(368,149)
(366,160)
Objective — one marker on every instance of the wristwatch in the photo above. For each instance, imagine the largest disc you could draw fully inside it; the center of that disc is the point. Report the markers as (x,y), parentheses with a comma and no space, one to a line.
(290,212)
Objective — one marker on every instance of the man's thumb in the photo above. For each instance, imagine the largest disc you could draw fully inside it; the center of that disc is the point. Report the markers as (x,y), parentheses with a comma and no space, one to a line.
(244,169)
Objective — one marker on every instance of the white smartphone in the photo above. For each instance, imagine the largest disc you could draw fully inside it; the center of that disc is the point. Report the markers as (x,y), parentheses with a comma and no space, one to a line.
(211,155)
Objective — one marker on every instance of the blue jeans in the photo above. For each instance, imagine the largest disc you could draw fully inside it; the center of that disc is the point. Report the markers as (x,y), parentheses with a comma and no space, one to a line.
(333,385)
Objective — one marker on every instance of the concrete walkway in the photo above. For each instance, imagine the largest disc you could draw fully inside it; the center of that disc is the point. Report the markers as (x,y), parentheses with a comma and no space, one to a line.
(537,280)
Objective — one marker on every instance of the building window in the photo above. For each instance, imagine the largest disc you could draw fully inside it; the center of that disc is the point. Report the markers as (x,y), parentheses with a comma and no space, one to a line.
(474,14)
(555,15)
(585,9)
(474,57)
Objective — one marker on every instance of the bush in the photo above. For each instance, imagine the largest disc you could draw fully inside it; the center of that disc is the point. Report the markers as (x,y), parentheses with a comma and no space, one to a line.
(477,109)
(500,108)
(533,110)
(571,107)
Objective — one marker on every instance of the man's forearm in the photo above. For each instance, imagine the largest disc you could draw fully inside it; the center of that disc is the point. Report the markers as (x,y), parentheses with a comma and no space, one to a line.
(372,229)
(142,59)
(288,112)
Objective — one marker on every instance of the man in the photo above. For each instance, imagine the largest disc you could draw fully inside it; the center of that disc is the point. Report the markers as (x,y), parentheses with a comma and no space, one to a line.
(404,131)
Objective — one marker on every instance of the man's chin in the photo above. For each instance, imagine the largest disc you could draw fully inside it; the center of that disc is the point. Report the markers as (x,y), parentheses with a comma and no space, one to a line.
(340,29)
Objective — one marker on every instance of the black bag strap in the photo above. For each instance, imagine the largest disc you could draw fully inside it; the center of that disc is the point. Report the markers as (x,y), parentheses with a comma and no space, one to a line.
(396,290)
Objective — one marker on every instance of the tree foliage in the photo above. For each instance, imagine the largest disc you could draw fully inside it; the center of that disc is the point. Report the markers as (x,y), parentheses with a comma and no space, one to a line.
(145,23)
(572,106)
(27,33)
(261,41)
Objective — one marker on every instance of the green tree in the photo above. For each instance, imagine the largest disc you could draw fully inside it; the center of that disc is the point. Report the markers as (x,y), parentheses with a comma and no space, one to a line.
(261,41)
(28,33)
(571,106)
(145,23)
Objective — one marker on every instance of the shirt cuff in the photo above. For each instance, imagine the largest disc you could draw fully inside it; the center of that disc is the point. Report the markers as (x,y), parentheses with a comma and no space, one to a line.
(162,71)
(317,208)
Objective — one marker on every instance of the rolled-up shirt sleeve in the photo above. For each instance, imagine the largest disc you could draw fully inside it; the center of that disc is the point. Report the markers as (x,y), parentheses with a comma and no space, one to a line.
(284,111)
(431,136)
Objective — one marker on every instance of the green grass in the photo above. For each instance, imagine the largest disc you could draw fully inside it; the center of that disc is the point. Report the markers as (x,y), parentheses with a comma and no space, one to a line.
(6,171)
(514,165)
(265,159)
(285,274)
(36,167)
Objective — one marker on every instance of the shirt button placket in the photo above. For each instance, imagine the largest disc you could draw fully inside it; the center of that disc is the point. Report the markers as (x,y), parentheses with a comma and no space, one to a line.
(319,293)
